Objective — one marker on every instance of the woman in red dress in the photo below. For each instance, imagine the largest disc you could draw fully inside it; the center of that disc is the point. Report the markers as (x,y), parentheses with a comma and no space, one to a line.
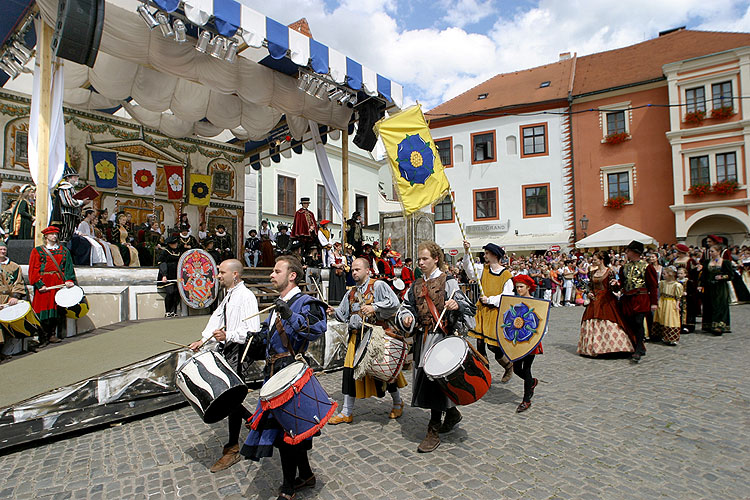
(602,325)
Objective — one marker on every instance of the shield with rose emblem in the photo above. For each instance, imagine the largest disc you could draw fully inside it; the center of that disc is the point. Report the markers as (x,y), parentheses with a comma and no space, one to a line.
(197,278)
(521,324)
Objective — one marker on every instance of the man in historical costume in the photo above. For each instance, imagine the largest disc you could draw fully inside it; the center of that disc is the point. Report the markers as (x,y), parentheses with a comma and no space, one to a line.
(373,302)
(325,240)
(252,249)
(639,285)
(66,210)
(496,281)
(50,265)
(22,215)
(12,287)
(297,320)
(423,304)
(186,240)
(304,228)
(223,242)
(407,274)
(230,328)
(354,233)
(283,241)
(167,261)
(5,220)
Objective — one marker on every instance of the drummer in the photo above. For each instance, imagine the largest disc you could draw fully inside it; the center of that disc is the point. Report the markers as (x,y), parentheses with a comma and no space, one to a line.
(12,288)
(50,264)
(229,327)
(297,320)
(374,302)
(423,305)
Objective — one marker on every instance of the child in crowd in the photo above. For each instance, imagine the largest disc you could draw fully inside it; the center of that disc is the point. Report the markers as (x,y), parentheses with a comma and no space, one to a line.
(667,322)
(525,286)
(682,279)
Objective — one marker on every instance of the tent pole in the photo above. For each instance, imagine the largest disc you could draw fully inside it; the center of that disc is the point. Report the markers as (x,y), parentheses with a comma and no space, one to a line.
(44,53)
(344,185)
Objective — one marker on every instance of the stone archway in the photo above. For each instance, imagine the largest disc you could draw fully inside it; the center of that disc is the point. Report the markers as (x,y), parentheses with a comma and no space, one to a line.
(733,228)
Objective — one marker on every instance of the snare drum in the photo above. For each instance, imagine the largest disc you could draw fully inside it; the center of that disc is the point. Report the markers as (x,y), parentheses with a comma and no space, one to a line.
(398,284)
(387,366)
(297,401)
(19,320)
(73,300)
(458,370)
(210,385)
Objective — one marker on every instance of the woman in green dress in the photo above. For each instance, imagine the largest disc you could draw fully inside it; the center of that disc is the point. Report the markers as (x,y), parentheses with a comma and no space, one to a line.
(22,216)
(715,277)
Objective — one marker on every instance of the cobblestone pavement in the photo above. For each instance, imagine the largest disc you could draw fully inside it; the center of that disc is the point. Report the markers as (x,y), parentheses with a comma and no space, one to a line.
(675,426)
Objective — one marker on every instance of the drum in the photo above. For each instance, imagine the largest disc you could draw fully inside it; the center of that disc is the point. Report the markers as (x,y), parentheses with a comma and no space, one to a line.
(19,320)
(361,351)
(73,300)
(399,284)
(325,274)
(388,365)
(297,401)
(458,370)
(210,385)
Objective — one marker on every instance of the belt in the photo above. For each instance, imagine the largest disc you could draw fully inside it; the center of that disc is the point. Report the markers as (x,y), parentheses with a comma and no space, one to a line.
(637,291)
(275,357)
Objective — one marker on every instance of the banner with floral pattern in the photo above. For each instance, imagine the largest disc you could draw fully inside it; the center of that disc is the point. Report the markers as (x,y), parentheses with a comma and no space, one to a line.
(105,168)
(200,189)
(175,181)
(144,178)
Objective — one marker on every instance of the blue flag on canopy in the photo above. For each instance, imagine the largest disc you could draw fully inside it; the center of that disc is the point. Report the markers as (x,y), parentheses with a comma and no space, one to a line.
(105,168)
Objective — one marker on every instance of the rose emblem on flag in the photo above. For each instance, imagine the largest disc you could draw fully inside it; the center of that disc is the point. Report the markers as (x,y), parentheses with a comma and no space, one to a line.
(200,190)
(175,182)
(144,178)
(105,169)
(519,323)
(415,159)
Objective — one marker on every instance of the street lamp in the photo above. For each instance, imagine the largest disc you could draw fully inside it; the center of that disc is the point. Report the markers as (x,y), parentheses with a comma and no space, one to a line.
(584,224)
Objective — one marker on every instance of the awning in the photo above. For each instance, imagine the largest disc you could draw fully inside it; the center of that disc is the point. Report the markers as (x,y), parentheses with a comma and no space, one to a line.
(516,243)
(615,235)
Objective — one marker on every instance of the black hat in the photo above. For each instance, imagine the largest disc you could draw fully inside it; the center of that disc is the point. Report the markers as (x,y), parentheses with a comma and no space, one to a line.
(220,226)
(495,250)
(172,239)
(282,227)
(635,246)
(304,199)
(184,227)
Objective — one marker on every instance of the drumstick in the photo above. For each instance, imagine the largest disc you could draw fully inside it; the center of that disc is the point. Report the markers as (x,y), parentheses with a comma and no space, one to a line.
(443,313)
(55,287)
(259,312)
(166,281)
(177,344)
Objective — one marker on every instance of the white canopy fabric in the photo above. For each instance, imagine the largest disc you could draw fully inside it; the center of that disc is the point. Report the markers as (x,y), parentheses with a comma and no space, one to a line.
(179,91)
(615,235)
(515,243)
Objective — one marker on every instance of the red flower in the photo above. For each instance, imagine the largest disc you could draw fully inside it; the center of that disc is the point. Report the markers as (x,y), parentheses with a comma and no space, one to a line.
(700,189)
(722,112)
(144,178)
(695,117)
(617,201)
(725,187)
(616,138)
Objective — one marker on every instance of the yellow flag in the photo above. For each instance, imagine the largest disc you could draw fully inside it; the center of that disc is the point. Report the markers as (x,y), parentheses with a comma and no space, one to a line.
(414,159)
(200,189)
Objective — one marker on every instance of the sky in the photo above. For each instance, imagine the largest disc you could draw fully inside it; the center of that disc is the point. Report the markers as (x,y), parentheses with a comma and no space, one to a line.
(438,49)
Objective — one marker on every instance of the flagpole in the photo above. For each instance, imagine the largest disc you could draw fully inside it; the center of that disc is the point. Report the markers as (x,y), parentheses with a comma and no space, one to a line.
(344,185)
(467,253)
(44,53)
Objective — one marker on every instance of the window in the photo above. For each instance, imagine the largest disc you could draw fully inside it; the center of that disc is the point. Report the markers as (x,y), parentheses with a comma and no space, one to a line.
(287,195)
(536,200)
(325,208)
(726,167)
(485,204)
(722,95)
(444,210)
(22,147)
(695,100)
(445,147)
(699,171)
(534,139)
(616,122)
(360,201)
(483,147)
(618,185)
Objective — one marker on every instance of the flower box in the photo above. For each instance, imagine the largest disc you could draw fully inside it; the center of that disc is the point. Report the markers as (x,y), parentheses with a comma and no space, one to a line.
(618,202)
(725,187)
(616,138)
(700,189)
(695,117)
(722,113)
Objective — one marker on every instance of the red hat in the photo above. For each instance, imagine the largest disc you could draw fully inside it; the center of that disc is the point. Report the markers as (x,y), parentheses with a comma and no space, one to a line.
(50,229)
(717,239)
(324,222)
(525,279)
(681,247)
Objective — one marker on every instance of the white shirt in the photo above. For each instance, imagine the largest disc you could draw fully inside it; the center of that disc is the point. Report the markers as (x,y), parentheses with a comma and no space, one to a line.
(323,239)
(240,303)
(493,300)
(294,291)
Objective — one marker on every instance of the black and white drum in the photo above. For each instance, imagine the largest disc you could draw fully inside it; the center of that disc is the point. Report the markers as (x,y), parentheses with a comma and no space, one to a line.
(210,385)
(398,284)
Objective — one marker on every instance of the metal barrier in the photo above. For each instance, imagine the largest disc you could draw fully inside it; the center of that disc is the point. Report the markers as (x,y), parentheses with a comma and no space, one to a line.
(471,290)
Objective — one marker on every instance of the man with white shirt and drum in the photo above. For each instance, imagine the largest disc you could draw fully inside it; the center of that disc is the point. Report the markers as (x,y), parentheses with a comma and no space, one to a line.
(12,287)
(230,327)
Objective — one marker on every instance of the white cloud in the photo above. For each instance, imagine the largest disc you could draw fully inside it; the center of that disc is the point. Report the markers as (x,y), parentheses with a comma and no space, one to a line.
(461,13)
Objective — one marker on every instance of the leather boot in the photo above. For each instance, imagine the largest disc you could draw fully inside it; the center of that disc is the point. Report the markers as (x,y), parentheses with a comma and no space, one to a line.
(452,417)
(230,457)
(506,363)
(432,440)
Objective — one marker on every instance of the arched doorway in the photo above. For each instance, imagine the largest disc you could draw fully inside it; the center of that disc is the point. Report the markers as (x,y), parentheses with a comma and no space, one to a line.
(722,225)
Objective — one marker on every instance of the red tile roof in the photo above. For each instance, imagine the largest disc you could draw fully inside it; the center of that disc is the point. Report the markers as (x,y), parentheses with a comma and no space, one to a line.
(302,27)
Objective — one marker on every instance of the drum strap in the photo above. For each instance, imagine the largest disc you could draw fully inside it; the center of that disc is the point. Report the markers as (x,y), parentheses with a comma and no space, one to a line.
(54,263)
(433,312)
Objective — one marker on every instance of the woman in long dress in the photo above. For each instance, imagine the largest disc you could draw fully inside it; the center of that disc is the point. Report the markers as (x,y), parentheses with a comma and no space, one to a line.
(667,320)
(715,278)
(100,253)
(337,276)
(22,215)
(127,251)
(602,326)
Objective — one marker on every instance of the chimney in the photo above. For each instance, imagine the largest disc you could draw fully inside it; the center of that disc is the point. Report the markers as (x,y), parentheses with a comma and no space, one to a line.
(564,56)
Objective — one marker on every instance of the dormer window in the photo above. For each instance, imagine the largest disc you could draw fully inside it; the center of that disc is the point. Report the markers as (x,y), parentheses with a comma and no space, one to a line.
(482,96)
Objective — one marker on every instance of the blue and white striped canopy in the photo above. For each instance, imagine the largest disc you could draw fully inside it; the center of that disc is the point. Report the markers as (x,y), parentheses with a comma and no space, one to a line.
(229,15)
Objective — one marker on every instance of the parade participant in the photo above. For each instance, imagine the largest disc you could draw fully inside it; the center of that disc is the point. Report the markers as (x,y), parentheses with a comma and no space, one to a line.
(12,287)
(122,238)
(639,287)
(715,279)
(525,286)
(354,233)
(374,302)
(337,276)
(496,281)
(252,248)
(691,301)
(167,261)
(667,322)
(202,233)
(602,324)
(66,210)
(187,241)
(407,275)
(304,228)
(99,251)
(50,264)
(210,246)
(223,242)
(424,303)
(266,231)
(297,320)
(22,215)
(5,220)
(229,327)
(283,241)
(324,234)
